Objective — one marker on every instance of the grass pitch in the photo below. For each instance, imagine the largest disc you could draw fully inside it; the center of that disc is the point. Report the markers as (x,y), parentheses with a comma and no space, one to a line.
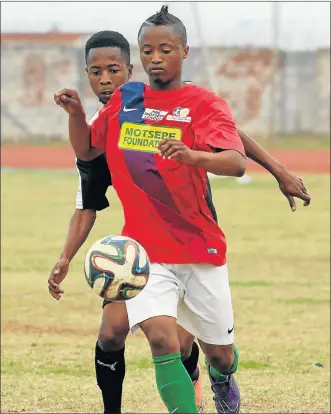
(279,271)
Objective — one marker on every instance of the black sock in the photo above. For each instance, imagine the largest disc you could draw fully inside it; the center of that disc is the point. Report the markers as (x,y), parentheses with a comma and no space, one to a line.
(110,372)
(191,363)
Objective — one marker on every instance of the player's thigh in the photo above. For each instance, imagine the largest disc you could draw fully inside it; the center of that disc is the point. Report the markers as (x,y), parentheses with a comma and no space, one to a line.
(185,341)
(114,326)
(159,297)
(206,311)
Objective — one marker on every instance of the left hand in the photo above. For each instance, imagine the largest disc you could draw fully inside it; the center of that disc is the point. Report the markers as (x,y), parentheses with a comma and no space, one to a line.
(58,273)
(292,186)
(176,150)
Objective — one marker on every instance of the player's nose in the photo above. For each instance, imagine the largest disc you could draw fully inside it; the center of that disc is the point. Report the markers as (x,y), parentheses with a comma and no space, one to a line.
(156,58)
(105,79)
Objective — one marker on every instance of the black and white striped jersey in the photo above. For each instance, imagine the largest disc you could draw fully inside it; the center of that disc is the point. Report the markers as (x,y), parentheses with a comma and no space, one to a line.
(93,181)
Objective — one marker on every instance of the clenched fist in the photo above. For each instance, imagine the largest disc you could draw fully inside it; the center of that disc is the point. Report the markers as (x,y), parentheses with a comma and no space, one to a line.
(69,100)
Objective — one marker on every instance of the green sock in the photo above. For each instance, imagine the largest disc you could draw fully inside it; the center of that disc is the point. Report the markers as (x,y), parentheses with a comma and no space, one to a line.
(221,376)
(174,384)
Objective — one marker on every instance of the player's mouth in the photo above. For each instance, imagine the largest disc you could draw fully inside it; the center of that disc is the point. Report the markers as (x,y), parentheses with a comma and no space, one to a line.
(106,92)
(156,71)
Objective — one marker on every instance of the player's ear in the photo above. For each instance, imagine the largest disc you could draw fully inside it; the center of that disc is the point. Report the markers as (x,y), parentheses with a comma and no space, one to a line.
(130,69)
(186,51)
(86,70)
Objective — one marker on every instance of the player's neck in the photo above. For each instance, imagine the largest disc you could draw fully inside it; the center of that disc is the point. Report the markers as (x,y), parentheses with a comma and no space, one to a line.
(167,86)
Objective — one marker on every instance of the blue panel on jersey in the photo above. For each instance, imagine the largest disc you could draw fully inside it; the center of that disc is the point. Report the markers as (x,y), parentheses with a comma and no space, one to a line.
(132,109)
(142,165)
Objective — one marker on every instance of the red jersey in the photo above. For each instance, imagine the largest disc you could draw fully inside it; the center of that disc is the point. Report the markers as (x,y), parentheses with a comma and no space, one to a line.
(166,205)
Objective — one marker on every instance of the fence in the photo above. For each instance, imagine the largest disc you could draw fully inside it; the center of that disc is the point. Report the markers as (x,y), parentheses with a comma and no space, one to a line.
(32,71)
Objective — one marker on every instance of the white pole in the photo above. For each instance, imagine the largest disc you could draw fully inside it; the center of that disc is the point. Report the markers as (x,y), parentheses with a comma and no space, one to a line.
(204,48)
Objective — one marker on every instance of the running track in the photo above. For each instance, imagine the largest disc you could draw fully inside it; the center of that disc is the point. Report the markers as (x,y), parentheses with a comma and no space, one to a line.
(43,157)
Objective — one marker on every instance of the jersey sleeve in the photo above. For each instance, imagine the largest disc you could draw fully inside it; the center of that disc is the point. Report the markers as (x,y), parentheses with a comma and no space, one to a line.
(94,179)
(214,128)
(99,130)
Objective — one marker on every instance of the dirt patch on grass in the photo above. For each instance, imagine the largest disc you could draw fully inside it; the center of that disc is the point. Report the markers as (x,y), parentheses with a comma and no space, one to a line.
(41,330)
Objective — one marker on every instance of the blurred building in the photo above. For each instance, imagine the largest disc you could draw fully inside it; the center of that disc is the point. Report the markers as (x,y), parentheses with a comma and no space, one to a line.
(288,91)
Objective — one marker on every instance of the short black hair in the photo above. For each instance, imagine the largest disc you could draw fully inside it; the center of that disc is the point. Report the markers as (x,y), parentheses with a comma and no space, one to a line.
(164,18)
(108,38)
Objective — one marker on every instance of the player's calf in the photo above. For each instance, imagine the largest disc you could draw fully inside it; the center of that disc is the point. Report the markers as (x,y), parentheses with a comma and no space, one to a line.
(109,355)
(173,382)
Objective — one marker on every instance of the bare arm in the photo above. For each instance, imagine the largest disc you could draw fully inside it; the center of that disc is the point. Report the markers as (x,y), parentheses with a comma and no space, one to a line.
(79,134)
(290,185)
(79,130)
(255,152)
(80,226)
(228,163)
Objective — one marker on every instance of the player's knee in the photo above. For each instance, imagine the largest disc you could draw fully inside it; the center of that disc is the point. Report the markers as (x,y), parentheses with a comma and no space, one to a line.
(163,340)
(161,343)
(111,340)
(221,358)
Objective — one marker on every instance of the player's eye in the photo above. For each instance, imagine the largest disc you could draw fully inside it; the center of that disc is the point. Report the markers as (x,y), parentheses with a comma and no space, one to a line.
(95,72)
(114,71)
(166,51)
(147,52)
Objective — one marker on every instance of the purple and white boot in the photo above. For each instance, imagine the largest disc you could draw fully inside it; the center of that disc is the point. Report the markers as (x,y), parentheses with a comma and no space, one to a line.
(226,395)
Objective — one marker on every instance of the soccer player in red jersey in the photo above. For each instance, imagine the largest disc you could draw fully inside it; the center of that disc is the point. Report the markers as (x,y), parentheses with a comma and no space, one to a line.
(186,245)
(107,56)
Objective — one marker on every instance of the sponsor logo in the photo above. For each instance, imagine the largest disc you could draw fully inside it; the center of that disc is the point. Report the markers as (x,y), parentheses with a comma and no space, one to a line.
(154,114)
(230,330)
(212,251)
(111,366)
(125,109)
(179,114)
(145,138)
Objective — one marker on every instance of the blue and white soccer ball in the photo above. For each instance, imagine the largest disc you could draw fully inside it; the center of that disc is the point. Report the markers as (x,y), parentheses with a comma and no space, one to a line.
(117,268)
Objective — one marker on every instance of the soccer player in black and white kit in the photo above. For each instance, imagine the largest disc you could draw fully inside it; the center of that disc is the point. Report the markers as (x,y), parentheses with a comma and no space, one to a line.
(108,66)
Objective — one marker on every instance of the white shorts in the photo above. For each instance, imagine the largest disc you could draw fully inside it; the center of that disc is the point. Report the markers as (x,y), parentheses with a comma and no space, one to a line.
(197,295)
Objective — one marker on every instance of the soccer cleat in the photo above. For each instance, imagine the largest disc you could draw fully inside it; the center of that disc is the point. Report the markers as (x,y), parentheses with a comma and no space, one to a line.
(198,389)
(226,395)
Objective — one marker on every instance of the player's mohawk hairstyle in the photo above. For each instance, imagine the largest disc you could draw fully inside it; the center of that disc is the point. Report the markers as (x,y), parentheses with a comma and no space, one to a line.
(164,18)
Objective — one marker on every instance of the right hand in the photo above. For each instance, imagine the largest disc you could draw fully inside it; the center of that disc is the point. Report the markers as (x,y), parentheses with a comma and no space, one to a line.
(69,100)
(58,273)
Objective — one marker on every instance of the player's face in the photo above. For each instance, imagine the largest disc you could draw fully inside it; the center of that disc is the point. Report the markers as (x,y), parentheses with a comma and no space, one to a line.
(162,54)
(106,71)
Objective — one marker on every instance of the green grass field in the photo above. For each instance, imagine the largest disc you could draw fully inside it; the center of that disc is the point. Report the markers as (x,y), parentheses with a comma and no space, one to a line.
(279,270)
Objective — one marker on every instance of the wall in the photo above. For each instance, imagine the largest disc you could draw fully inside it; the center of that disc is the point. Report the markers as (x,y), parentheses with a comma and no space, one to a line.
(33,69)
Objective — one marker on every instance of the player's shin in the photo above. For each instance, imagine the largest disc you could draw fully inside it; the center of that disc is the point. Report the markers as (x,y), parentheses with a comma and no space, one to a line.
(174,384)
(110,372)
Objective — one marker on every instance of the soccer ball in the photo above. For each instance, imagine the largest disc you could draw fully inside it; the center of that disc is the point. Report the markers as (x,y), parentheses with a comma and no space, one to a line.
(117,268)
